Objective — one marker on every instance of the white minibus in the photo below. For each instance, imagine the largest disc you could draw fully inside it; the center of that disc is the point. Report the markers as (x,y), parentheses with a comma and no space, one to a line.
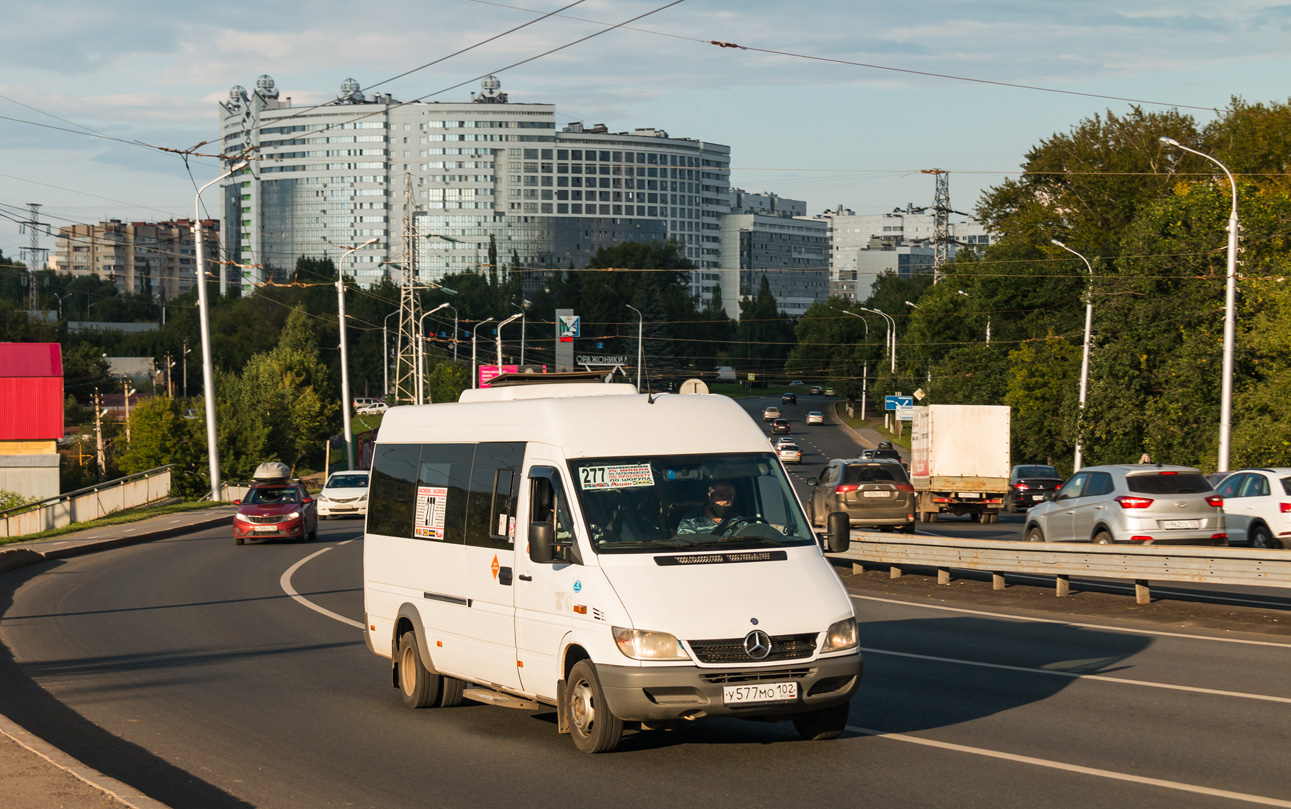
(627,559)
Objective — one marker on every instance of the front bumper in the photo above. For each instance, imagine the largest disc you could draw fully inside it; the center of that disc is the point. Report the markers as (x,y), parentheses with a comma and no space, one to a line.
(342,509)
(665,693)
(290,528)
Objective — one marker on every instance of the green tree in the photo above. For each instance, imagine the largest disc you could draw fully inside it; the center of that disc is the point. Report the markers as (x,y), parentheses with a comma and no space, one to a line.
(160,435)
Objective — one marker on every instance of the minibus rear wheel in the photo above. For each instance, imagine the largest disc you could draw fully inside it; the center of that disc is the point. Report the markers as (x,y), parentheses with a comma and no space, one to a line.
(418,687)
(594,728)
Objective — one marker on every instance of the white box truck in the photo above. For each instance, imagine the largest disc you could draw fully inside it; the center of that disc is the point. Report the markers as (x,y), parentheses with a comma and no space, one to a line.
(619,557)
(960,460)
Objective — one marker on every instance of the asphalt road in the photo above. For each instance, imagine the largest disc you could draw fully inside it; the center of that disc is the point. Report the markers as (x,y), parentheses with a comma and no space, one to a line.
(208,674)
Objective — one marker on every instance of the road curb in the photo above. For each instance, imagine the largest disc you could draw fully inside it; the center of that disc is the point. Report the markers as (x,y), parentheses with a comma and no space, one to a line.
(13,558)
(115,789)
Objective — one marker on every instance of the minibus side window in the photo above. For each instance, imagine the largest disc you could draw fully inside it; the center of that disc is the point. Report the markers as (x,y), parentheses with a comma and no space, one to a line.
(393,491)
(443,480)
(547,503)
(492,501)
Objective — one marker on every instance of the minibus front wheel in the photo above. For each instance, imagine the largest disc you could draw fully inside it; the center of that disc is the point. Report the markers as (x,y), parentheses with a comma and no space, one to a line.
(594,728)
(418,687)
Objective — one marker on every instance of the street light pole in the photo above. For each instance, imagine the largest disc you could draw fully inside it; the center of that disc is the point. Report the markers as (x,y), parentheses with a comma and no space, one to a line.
(640,341)
(345,362)
(385,351)
(475,369)
(892,333)
(522,322)
(499,337)
(454,308)
(421,352)
(204,324)
(1230,307)
(1084,358)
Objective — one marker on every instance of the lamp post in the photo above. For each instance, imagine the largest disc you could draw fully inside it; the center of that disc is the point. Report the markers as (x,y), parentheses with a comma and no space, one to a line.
(522,322)
(988,317)
(454,331)
(421,352)
(204,324)
(475,369)
(640,341)
(385,351)
(1084,359)
(892,334)
(498,333)
(345,362)
(1230,306)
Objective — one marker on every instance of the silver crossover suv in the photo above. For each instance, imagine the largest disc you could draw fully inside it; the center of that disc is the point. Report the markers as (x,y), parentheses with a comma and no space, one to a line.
(1131,503)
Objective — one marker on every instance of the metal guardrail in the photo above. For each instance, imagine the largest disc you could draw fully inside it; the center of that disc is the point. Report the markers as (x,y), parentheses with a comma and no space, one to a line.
(1062,560)
(86,504)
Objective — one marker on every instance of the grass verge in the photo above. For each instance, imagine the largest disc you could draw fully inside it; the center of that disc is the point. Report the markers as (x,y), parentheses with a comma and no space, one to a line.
(856,423)
(116,518)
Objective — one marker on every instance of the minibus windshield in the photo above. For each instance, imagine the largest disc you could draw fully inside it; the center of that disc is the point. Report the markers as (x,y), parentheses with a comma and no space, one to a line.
(664,503)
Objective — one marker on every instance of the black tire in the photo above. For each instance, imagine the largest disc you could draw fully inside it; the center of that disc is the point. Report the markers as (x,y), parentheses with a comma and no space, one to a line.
(418,687)
(930,516)
(1034,534)
(450,692)
(591,724)
(977,516)
(1103,537)
(993,517)
(239,540)
(313,535)
(1011,506)
(908,528)
(823,724)
(1262,537)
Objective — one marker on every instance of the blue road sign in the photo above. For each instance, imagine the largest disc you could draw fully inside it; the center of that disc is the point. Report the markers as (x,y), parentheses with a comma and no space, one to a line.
(893,402)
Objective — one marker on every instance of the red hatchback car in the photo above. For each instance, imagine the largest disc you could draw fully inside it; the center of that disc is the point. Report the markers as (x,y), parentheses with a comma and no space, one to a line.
(276,511)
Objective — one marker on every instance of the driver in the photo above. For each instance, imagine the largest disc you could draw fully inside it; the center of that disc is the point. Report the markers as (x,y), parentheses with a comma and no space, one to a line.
(717,512)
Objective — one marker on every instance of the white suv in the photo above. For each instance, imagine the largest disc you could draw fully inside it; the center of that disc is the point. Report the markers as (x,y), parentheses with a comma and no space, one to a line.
(1257,507)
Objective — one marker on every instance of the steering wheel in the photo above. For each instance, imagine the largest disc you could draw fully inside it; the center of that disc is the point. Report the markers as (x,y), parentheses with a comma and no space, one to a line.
(729,528)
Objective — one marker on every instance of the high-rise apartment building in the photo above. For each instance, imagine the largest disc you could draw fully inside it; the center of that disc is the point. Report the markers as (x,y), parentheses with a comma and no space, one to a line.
(326,177)
(765,235)
(158,258)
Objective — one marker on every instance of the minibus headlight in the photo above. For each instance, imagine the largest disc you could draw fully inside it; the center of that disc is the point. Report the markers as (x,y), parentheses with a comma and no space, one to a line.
(841,635)
(640,644)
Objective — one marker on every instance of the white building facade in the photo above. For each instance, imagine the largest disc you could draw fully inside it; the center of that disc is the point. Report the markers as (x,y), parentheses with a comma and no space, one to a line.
(323,178)
(791,252)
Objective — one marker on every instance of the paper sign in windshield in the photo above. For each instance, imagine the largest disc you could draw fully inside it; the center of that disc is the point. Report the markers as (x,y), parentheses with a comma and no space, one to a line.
(432,502)
(616,477)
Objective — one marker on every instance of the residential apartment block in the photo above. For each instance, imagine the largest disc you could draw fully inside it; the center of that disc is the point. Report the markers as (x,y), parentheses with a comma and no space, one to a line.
(326,177)
(769,236)
(158,258)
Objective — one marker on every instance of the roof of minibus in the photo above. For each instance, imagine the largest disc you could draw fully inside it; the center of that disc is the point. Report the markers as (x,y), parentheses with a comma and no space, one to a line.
(599,425)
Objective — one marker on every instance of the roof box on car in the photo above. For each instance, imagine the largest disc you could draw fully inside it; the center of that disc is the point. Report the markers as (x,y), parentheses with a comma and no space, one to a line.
(271,472)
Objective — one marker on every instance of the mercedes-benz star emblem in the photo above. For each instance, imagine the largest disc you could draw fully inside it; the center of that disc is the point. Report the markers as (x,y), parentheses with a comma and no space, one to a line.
(757,644)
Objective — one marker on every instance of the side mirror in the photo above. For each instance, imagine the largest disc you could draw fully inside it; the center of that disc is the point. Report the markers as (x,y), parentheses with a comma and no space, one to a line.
(542,543)
(811,481)
(237,502)
(1050,496)
(839,537)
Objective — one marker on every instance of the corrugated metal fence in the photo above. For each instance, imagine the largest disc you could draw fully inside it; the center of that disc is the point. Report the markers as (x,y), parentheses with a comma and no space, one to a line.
(87,504)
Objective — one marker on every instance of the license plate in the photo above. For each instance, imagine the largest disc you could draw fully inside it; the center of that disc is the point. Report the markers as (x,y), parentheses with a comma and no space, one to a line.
(266,529)
(969,495)
(759,693)
(1181,524)
(874,494)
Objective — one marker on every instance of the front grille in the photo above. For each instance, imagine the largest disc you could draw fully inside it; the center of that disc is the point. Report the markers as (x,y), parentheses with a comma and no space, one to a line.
(773,676)
(731,650)
(261,518)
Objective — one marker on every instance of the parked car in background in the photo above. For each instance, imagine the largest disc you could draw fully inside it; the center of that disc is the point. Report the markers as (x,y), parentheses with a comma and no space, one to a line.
(770,413)
(345,494)
(815,417)
(1149,504)
(1257,507)
(1028,484)
(873,493)
(366,405)
(275,508)
(788,398)
(789,453)
(780,426)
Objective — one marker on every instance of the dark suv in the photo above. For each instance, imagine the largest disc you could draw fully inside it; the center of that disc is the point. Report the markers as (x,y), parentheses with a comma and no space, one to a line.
(873,493)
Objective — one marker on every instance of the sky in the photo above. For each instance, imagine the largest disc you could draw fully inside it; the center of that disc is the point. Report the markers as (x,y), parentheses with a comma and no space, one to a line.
(836,102)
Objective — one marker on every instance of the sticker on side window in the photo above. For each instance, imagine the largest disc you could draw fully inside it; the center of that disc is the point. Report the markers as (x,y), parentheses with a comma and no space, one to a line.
(616,477)
(432,502)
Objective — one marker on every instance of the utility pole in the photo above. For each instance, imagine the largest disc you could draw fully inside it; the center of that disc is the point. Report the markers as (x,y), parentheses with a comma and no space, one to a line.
(100,458)
(129,391)
(185,364)
(405,377)
(940,222)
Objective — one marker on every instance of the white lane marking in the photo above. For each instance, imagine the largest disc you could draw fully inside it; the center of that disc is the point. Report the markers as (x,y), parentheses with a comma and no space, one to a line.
(285,583)
(1078,676)
(1105,627)
(1076,768)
